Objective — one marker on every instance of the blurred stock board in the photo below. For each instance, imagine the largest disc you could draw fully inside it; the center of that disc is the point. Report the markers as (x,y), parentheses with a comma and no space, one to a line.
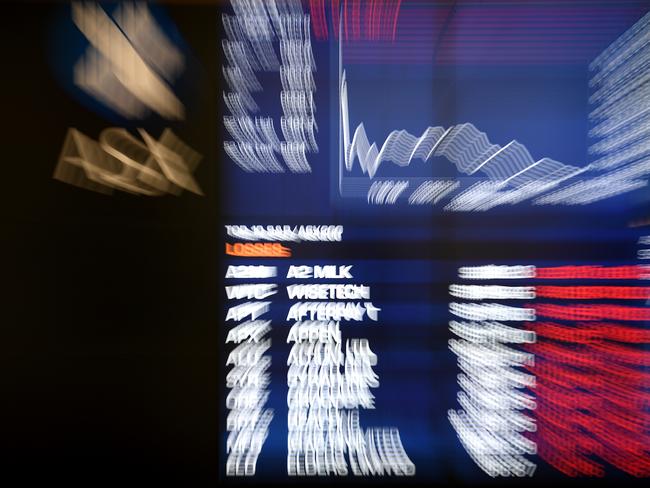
(327,241)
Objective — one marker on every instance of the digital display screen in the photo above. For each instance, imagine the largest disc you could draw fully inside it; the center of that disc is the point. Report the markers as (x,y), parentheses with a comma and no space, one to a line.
(328,241)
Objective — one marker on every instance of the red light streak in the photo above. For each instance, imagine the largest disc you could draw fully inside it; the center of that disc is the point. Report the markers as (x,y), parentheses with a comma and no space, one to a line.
(634,272)
(591,312)
(594,292)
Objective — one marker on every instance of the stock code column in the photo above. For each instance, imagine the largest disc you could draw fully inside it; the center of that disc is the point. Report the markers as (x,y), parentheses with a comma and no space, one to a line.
(299,400)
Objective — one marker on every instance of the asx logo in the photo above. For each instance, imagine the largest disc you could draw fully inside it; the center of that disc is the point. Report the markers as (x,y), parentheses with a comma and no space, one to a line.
(130,62)
(129,66)
(119,161)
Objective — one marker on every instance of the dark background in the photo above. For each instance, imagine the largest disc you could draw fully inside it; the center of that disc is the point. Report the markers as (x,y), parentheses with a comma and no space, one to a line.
(108,364)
